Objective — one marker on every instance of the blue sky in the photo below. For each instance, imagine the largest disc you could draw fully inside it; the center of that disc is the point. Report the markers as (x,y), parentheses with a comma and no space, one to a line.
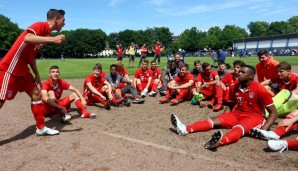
(178,15)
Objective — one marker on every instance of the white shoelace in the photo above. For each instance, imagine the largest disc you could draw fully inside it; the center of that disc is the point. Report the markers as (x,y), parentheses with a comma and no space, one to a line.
(285,147)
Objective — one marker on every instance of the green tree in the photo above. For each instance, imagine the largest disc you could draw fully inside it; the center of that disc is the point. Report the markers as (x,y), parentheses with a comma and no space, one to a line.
(230,33)
(8,32)
(258,28)
(278,27)
(293,24)
(193,39)
(213,39)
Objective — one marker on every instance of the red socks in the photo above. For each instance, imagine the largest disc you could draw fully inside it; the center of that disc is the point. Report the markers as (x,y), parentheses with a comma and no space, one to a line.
(232,136)
(292,143)
(38,112)
(204,125)
(81,108)
(140,87)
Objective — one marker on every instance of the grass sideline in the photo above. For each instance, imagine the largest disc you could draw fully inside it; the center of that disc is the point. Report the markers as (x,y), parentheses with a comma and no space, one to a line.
(80,68)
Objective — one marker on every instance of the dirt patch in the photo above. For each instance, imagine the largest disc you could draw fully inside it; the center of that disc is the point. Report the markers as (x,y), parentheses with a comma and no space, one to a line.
(139,137)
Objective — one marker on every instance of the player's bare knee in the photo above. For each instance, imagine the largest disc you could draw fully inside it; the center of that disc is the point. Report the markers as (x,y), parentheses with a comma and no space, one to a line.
(51,94)
(73,96)
(35,95)
(104,88)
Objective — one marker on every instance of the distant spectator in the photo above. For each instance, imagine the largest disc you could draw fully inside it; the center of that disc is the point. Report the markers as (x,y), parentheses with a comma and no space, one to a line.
(221,56)
(214,59)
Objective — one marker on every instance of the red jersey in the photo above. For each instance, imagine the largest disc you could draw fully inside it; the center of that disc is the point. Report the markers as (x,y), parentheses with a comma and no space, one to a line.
(122,72)
(120,51)
(267,70)
(157,49)
(202,78)
(143,50)
(21,54)
(57,88)
(230,80)
(103,74)
(253,100)
(184,79)
(291,84)
(143,75)
(156,73)
(96,83)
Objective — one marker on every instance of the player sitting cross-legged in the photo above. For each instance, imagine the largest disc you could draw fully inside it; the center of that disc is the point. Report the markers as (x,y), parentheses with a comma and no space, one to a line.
(53,88)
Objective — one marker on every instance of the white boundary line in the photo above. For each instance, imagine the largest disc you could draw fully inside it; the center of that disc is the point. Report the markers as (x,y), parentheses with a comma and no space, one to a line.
(176,150)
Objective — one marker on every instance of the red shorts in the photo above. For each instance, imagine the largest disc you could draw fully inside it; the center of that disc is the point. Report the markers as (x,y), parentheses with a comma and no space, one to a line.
(11,85)
(208,94)
(247,121)
(90,99)
(65,102)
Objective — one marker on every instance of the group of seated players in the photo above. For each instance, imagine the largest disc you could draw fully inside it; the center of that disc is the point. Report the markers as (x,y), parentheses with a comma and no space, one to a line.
(244,99)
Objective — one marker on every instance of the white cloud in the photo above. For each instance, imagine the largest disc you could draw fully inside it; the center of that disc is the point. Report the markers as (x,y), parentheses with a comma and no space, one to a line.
(202,8)
(254,7)
(194,10)
(114,3)
(261,11)
(158,2)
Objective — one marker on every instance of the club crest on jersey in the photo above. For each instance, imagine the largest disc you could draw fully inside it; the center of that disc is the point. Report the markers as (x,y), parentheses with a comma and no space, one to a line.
(251,95)
(9,93)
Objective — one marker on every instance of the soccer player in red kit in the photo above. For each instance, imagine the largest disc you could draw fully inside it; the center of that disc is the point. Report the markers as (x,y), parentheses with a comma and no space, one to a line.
(15,74)
(229,81)
(53,88)
(266,69)
(155,78)
(245,113)
(97,89)
(144,51)
(286,79)
(119,51)
(208,84)
(157,52)
(142,78)
(180,86)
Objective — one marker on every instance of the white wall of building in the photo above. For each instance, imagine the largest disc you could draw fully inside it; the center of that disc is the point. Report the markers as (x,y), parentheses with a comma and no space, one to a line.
(293,42)
(279,43)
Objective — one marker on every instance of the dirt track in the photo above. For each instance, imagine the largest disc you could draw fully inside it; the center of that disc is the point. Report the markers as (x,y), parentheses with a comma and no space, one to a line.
(136,138)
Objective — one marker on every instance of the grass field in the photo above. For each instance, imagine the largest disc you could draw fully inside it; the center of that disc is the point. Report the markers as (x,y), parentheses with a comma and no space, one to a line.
(80,68)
